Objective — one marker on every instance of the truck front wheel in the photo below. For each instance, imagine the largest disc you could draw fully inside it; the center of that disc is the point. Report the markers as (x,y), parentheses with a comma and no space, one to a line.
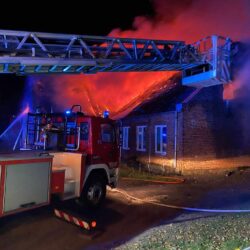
(94,191)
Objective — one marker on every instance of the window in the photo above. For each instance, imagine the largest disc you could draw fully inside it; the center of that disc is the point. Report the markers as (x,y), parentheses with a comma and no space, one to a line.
(125,136)
(107,132)
(84,126)
(141,138)
(161,139)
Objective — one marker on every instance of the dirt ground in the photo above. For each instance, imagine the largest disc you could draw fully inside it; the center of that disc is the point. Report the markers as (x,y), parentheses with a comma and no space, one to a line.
(122,219)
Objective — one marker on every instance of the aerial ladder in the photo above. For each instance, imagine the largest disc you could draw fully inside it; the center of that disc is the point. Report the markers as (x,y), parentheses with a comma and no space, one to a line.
(204,63)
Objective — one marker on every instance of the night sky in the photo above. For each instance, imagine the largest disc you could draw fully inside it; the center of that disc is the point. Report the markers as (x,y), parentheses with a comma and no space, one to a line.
(90,17)
(73,17)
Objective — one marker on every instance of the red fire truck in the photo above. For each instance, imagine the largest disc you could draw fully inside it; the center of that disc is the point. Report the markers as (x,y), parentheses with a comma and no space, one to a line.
(69,154)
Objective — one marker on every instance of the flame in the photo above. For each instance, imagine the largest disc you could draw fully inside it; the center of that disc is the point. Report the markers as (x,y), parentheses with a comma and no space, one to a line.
(187,20)
(96,93)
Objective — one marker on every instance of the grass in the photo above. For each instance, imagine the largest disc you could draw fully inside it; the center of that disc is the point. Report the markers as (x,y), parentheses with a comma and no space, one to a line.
(221,232)
(128,172)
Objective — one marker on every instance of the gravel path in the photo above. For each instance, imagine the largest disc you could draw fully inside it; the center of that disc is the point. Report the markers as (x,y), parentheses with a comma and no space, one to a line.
(196,231)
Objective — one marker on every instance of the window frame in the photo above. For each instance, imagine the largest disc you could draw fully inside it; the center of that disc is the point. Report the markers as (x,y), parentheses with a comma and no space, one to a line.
(83,124)
(139,145)
(125,140)
(162,152)
(112,141)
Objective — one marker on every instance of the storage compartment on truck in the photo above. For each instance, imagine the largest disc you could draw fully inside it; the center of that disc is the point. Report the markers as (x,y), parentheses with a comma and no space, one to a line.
(57,181)
(25,182)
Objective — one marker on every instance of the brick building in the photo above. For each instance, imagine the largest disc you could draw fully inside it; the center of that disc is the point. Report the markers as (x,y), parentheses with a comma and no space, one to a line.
(186,129)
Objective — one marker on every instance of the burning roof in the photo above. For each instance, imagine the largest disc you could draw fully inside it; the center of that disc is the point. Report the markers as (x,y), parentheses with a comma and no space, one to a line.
(162,99)
(156,90)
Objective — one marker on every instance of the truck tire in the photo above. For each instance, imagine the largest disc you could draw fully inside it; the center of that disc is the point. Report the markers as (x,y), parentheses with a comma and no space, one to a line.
(94,191)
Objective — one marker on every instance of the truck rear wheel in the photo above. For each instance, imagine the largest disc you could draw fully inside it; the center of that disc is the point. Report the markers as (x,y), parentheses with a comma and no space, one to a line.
(94,191)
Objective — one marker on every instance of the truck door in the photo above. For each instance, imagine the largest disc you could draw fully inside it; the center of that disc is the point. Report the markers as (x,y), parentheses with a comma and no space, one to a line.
(108,144)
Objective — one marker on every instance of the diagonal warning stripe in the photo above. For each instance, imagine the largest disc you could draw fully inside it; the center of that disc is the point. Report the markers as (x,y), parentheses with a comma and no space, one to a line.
(74,220)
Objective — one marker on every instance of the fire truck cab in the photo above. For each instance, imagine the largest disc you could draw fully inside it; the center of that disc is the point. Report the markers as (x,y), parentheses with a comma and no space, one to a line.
(85,152)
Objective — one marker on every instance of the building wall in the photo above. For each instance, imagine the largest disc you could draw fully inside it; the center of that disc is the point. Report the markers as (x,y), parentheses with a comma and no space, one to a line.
(213,134)
(202,123)
(209,136)
(150,159)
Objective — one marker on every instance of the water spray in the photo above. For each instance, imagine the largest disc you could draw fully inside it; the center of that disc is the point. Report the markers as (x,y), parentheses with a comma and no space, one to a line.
(18,119)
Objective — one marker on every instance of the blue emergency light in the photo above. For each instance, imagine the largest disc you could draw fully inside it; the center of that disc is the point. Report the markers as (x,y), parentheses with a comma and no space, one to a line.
(106,114)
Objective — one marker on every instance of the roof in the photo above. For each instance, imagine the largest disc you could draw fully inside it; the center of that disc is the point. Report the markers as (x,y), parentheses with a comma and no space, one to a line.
(164,99)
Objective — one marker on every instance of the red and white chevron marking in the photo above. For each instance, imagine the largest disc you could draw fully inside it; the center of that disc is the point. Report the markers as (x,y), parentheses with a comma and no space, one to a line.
(72,219)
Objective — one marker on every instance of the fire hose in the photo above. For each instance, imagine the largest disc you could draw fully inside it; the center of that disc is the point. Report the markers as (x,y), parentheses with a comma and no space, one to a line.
(175,180)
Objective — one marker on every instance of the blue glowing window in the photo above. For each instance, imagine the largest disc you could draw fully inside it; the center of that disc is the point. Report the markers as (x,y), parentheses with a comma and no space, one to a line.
(125,137)
(141,138)
(161,139)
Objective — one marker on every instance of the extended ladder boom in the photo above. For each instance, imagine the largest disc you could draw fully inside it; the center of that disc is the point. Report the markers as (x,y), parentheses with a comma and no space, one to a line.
(34,52)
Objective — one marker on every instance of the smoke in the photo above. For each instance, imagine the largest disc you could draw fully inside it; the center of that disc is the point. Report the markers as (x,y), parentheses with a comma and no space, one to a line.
(187,20)
(237,93)
(192,20)
(239,88)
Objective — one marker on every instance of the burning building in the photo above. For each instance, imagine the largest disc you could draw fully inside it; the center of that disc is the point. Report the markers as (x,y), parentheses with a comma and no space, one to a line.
(184,118)
(183,129)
